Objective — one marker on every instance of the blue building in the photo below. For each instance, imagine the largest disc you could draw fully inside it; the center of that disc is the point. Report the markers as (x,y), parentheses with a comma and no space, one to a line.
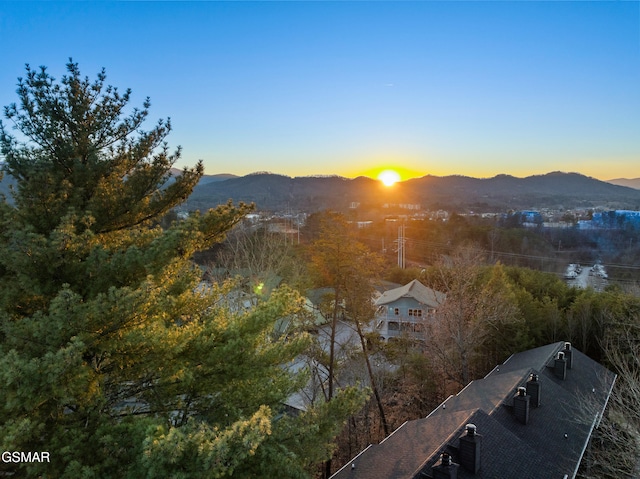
(616,219)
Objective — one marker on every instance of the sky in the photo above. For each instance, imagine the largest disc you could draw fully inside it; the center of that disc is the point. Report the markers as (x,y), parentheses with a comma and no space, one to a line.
(475,88)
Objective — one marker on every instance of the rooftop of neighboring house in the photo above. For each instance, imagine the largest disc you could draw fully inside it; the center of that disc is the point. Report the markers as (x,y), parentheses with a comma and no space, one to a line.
(529,418)
(416,290)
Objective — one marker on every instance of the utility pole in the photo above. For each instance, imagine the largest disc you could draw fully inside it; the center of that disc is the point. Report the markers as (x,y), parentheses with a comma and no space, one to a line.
(401,252)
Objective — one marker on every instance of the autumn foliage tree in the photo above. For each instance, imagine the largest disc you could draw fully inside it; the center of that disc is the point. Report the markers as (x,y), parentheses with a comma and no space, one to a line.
(113,358)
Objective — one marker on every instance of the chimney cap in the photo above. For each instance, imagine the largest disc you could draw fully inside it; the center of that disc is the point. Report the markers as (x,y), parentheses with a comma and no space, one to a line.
(533,377)
(567,345)
(522,391)
(471,429)
(560,355)
(446,459)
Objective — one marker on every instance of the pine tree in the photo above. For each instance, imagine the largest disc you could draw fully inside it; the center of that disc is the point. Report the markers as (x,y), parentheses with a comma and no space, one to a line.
(113,357)
(348,268)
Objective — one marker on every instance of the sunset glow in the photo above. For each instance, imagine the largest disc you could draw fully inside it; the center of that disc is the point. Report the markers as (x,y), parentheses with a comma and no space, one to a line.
(315,88)
(389,177)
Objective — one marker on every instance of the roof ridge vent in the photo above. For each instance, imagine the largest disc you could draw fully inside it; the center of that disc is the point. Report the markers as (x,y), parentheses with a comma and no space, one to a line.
(469,449)
(446,469)
(533,389)
(521,405)
(568,354)
(560,366)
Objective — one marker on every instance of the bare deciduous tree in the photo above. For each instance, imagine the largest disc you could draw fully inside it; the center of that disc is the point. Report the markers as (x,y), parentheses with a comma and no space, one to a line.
(259,254)
(478,323)
(614,451)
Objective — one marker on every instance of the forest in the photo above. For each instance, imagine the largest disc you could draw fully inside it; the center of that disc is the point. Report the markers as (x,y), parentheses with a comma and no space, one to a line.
(491,311)
(134,343)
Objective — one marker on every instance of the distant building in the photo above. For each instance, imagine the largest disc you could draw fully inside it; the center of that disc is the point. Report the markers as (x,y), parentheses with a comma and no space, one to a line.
(616,219)
(527,218)
(403,206)
(362,224)
(530,418)
(531,218)
(403,310)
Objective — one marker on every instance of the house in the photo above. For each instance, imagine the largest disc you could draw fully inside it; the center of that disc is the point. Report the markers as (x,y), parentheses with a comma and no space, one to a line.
(530,418)
(403,310)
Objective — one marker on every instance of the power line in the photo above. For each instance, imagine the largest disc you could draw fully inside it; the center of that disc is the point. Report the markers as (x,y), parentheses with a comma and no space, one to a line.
(499,254)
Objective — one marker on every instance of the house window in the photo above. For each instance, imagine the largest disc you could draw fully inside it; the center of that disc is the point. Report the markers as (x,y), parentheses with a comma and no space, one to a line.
(393,326)
(396,311)
(415,312)
(410,327)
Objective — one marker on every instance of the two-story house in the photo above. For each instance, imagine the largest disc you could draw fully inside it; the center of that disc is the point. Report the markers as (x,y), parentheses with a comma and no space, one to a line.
(403,310)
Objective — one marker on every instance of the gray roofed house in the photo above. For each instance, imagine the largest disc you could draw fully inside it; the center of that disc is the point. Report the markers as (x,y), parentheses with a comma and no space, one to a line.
(401,311)
(530,418)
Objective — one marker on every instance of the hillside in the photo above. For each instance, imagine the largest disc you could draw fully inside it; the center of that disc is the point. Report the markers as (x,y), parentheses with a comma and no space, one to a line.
(502,192)
(206,178)
(278,192)
(631,183)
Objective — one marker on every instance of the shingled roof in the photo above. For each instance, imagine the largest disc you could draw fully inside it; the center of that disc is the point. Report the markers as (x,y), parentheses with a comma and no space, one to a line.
(549,443)
(416,290)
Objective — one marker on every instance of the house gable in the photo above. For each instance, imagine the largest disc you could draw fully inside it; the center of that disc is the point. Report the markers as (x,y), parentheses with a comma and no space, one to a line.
(414,290)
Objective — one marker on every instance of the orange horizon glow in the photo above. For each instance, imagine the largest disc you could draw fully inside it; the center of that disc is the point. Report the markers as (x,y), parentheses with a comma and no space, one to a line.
(397,173)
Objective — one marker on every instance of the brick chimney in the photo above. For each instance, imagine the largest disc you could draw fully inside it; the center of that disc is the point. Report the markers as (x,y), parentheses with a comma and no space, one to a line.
(568,354)
(469,449)
(533,389)
(446,469)
(560,366)
(521,405)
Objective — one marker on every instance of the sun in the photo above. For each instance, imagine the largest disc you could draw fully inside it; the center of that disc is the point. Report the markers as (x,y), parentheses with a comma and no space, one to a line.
(389,177)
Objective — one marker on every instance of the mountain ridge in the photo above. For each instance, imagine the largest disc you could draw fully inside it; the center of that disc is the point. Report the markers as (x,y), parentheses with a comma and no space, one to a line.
(551,190)
(277,192)
(629,182)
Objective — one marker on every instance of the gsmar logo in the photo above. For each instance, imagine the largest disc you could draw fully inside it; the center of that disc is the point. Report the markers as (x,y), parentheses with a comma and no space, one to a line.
(19,456)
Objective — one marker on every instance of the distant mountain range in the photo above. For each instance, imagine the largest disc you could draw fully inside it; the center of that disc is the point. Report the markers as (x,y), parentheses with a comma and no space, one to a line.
(207,178)
(633,183)
(503,192)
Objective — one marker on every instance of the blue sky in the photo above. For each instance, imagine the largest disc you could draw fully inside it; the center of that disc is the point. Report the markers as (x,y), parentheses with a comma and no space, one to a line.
(303,88)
